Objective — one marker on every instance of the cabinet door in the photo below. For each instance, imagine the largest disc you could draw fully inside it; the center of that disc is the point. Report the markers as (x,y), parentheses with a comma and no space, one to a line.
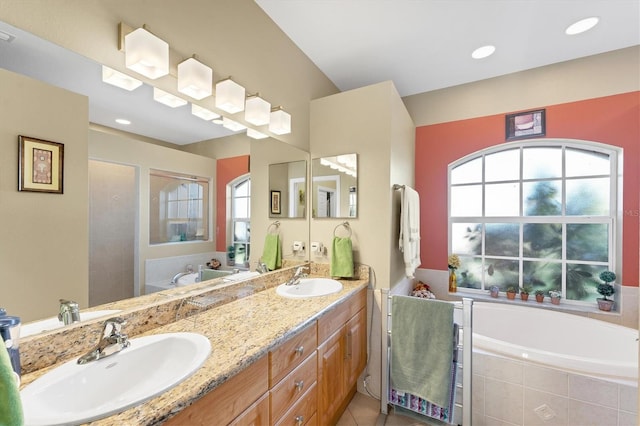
(356,342)
(331,377)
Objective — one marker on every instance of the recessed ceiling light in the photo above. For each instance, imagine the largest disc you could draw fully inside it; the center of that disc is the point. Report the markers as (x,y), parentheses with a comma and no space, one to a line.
(483,52)
(7,37)
(581,26)
(122,121)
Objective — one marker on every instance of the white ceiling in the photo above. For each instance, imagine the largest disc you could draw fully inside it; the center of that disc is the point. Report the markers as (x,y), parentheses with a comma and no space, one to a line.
(421,45)
(425,45)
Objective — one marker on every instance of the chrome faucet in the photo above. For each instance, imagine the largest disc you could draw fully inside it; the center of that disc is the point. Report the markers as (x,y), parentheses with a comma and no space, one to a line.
(297,275)
(111,342)
(175,278)
(69,312)
(261,267)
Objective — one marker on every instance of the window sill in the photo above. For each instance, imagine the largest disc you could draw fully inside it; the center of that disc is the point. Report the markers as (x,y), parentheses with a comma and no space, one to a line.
(568,307)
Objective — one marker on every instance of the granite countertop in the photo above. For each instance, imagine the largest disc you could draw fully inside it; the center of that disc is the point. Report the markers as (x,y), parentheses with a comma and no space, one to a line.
(240,332)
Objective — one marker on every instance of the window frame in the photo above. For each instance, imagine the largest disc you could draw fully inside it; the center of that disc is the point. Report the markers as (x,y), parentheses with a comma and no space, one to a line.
(614,219)
(231,217)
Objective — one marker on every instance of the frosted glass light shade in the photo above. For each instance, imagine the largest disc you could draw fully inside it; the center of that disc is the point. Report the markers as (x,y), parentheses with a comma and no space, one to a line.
(195,79)
(280,123)
(257,111)
(146,54)
(256,134)
(230,96)
(203,113)
(232,125)
(167,98)
(118,79)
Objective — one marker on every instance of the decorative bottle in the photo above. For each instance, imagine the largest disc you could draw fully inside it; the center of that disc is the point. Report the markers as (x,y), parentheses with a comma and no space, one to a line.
(453,281)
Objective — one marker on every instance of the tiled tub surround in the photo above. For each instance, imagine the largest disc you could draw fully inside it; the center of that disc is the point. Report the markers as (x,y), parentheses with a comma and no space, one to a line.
(241,331)
(517,392)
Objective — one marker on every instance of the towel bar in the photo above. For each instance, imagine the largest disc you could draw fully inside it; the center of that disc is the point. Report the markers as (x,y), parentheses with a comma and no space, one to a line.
(275,224)
(344,224)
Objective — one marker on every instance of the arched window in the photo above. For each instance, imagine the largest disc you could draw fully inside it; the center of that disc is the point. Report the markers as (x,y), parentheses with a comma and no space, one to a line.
(240,215)
(542,214)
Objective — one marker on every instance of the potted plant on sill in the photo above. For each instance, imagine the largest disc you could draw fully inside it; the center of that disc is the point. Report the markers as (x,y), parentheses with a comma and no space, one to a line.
(605,290)
(555,297)
(539,296)
(511,292)
(524,293)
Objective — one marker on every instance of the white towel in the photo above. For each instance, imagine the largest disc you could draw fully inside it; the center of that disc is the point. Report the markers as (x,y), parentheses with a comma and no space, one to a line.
(409,242)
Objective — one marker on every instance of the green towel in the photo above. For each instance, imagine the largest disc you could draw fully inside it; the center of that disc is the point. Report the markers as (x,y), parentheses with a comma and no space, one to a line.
(10,403)
(422,343)
(342,258)
(271,254)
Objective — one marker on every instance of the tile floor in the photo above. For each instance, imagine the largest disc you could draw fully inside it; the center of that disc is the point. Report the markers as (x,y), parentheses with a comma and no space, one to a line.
(364,410)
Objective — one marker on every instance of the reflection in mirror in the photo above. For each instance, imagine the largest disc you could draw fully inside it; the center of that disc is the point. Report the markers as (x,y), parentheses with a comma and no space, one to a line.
(335,186)
(178,207)
(287,189)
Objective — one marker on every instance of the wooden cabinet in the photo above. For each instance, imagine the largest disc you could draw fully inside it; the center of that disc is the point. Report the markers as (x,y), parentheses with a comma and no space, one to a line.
(293,372)
(341,356)
(229,400)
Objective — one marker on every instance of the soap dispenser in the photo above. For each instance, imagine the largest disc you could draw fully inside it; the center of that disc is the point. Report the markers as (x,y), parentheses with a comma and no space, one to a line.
(10,332)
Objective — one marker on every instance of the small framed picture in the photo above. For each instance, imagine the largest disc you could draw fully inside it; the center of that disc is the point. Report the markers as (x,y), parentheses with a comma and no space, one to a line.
(41,165)
(275,202)
(524,125)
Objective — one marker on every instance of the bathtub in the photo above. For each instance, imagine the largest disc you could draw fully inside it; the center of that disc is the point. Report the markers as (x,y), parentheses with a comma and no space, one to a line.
(558,340)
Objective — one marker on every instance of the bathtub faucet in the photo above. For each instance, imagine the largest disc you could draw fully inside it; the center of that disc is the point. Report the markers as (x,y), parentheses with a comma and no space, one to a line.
(69,312)
(111,342)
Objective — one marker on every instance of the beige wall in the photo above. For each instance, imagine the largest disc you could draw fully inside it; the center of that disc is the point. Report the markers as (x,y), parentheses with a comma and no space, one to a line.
(372,122)
(44,244)
(122,150)
(554,84)
(230,146)
(235,37)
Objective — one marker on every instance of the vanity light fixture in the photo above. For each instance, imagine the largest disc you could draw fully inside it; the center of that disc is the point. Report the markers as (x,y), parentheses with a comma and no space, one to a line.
(232,125)
(203,113)
(218,120)
(195,79)
(581,26)
(256,134)
(229,96)
(118,79)
(280,122)
(483,52)
(257,110)
(167,98)
(146,54)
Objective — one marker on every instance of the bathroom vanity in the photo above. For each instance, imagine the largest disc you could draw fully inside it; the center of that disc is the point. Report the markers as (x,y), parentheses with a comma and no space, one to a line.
(273,360)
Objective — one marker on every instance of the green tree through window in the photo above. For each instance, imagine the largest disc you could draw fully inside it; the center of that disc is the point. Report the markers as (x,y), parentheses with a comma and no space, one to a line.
(538,213)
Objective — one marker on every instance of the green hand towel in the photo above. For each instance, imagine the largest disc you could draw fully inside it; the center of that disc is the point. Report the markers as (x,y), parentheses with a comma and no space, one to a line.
(271,254)
(422,347)
(342,258)
(10,403)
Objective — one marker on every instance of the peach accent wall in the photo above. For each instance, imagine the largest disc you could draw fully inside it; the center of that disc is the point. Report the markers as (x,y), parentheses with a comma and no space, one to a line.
(227,170)
(614,120)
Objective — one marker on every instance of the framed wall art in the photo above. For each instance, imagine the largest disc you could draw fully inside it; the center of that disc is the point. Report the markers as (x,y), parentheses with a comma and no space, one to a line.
(524,125)
(275,202)
(41,165)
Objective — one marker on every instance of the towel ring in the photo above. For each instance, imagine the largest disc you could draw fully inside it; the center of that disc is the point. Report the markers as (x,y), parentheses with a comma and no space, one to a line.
(346,225)
(275,224)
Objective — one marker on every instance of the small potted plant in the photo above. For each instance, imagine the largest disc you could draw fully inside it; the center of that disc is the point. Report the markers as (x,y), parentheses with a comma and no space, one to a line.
(495,290)
(606,290)
(539,296)
(555,297)
(524,293)
(511,292)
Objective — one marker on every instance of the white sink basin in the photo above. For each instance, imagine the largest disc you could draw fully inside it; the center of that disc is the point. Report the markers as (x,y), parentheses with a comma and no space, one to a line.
(187,279)
(309,287)
(75,394)
(52,323)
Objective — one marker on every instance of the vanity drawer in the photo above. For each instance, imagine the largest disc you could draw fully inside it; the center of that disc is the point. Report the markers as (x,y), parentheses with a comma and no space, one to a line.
(291,353)
(293,386)
(334,319)
(303,412)
(256,415)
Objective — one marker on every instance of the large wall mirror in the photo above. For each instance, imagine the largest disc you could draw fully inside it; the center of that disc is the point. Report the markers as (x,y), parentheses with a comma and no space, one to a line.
(288,189)
(334,186)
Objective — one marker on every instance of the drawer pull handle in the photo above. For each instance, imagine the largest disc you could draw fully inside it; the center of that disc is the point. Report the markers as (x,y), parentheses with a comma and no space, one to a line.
(299,385)
(299,420)
(299,350)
